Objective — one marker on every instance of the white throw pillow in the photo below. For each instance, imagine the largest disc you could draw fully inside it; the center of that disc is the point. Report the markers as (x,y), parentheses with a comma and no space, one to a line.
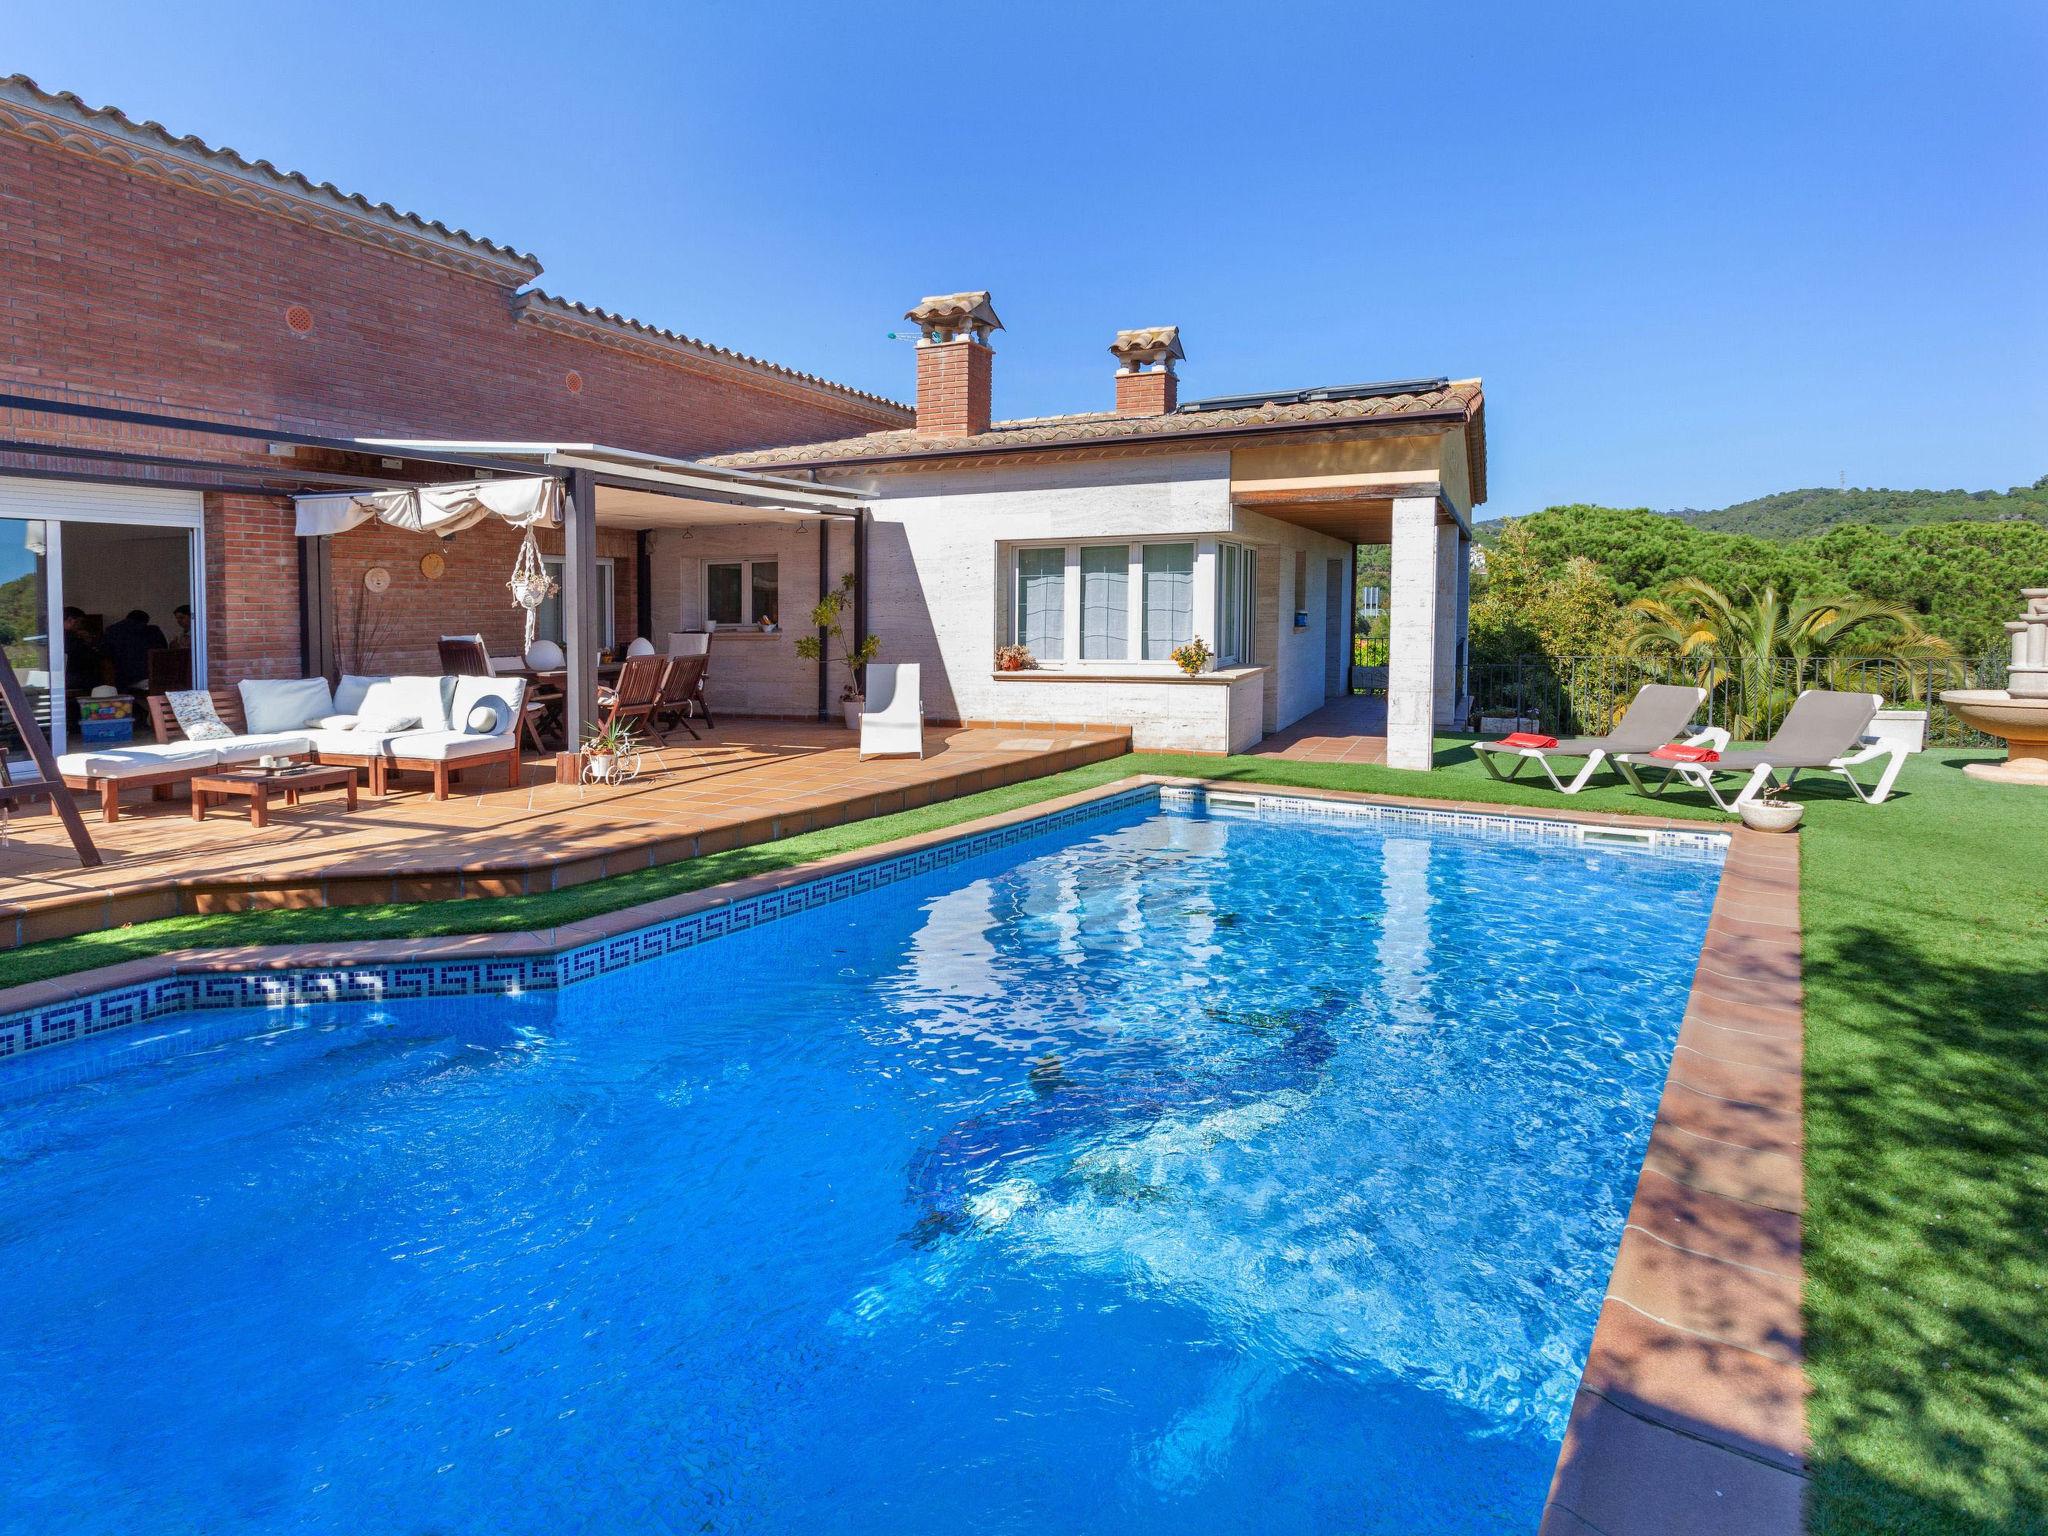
(274,706)
(370,724)
(334,723)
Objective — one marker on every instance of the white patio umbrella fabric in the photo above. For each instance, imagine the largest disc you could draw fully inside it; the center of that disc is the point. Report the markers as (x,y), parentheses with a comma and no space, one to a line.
(522,502)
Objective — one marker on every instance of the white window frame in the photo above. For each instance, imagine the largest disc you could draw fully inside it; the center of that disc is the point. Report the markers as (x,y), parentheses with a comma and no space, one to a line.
(1133,660)
(1237,567)
(746,563)
(608,585)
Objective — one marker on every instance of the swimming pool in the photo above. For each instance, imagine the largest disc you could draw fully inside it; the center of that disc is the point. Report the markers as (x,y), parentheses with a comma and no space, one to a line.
(1197,1166)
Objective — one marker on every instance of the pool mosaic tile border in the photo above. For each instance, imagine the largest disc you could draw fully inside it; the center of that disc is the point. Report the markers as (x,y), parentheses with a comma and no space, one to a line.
(149,1002)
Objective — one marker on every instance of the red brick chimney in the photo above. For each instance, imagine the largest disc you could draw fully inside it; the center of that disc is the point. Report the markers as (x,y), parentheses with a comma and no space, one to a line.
(1145,381)
(955,364)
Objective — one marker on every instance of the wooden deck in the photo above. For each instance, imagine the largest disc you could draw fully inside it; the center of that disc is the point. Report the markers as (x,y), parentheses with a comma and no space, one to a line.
(747,782)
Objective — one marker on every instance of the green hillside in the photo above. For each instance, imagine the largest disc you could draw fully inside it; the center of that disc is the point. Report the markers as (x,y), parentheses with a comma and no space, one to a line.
(1798,514)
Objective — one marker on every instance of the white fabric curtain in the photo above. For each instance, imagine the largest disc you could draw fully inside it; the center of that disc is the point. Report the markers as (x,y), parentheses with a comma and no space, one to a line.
(433,508)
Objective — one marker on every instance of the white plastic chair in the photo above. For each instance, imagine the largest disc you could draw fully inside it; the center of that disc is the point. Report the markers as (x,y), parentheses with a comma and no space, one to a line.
(893,721)
(688,642)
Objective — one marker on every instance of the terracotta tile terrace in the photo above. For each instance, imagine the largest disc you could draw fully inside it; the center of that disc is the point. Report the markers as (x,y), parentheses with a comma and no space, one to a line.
(743,783)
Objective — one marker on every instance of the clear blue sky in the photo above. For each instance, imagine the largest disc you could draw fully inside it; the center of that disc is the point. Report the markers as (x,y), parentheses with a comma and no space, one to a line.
(1697,252)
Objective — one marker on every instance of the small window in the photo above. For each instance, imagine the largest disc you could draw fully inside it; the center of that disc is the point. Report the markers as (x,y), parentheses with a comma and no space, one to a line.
(1105,602)
(741,591)
(1042,602)
(1169,593)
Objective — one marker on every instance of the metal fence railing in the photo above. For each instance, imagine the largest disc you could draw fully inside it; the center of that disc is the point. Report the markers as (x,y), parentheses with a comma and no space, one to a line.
(1584,695)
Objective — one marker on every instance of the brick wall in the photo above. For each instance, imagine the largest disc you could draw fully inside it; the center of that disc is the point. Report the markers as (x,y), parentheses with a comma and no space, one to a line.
(120,284)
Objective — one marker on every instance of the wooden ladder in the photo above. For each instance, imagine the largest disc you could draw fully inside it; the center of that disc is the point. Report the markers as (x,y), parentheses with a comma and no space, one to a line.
(50,785)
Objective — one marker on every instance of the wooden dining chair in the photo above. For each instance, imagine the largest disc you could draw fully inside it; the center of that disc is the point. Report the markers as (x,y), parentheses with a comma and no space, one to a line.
(632,699)
(682,684)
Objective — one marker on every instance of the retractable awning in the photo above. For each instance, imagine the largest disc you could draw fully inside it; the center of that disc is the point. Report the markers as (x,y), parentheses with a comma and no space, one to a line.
(440,509)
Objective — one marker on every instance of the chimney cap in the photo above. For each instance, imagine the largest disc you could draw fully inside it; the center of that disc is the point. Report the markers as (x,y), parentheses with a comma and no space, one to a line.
(941,315)
(1158,344)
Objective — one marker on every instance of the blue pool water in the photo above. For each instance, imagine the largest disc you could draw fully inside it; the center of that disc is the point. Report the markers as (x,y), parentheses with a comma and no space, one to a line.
(1187,1172)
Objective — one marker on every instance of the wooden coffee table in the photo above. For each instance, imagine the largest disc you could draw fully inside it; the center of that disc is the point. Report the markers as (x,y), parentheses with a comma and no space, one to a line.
(260,785)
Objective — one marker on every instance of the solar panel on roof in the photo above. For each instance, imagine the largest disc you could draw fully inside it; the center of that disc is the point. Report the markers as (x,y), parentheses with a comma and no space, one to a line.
(1321,392)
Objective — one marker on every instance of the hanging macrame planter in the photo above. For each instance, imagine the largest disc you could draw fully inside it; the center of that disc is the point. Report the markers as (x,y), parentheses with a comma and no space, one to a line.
(531,586)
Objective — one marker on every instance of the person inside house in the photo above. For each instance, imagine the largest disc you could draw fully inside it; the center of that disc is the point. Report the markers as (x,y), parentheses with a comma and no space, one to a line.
(128,644)
(182,640)
(84,661)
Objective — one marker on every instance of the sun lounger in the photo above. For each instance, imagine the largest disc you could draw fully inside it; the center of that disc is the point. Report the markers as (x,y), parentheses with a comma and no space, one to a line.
(1654,717)
(1823,733)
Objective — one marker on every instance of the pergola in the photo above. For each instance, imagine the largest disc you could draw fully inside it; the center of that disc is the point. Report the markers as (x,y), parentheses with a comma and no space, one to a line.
(581,487)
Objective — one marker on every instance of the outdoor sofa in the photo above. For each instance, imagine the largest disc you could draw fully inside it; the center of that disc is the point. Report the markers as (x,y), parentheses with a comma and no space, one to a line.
(456,723)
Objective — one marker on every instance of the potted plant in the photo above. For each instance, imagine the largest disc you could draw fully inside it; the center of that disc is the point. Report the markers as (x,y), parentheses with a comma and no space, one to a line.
(1193,657)
(1015,658)
(607,750)
(1771,811)
(831,640)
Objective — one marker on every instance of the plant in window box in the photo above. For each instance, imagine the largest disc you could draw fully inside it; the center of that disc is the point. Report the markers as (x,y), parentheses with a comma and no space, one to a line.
(1194,656)
(1015,658)
(831,640)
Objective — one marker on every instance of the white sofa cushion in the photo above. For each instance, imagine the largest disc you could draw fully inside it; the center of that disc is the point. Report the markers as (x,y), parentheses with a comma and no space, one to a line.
(348,693)
(246,749)
(352,746)
(504,695)
(284,705)
(445,746)
(424,699)
(132,762)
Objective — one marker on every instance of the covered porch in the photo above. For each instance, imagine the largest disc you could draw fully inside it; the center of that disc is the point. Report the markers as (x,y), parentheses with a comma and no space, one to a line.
(1412,494)
(637,549)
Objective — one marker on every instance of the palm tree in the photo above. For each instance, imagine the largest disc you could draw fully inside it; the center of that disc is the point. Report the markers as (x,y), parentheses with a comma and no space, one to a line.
(1762,645)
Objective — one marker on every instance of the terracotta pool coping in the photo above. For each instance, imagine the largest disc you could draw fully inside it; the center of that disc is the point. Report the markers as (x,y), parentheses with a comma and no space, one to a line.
(1690,1414)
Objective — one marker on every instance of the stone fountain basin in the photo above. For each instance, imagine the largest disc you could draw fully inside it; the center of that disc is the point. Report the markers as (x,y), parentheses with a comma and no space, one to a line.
(2022,722)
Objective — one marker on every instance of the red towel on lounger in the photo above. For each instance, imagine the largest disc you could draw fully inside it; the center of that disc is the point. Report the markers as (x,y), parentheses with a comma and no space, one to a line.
(1528,739)
(1674,753)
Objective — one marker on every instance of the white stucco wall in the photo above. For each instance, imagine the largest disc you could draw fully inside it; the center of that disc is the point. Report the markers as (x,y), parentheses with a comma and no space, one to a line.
(937,582)
(750,673)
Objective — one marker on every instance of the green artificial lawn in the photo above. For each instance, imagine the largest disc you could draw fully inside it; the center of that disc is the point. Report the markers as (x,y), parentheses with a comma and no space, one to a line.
(1926,923)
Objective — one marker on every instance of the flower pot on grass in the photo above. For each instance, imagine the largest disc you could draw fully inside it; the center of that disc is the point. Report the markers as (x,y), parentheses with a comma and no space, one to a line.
(1771,815)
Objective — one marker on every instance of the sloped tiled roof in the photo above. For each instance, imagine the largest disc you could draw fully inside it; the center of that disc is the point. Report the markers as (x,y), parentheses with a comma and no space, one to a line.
(536,307)
(1460,400)
(108,133)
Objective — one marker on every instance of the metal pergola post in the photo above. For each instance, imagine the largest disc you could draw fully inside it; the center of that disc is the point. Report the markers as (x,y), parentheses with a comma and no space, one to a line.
(860,590)
(579,603)
(824,587)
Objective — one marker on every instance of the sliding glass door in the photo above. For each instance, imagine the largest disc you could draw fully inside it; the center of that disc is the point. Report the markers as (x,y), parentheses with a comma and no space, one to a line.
(101,605)
(25,624)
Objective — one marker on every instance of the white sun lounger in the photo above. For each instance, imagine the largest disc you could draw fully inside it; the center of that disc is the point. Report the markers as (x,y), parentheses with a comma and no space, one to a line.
(1654,717)
(1823,733)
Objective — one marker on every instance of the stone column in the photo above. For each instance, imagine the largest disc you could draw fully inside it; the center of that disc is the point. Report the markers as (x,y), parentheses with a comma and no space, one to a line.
(1414,621)
(1463,633)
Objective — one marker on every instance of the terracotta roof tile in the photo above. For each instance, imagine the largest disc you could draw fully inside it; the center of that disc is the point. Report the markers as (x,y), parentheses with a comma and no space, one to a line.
(1462,397)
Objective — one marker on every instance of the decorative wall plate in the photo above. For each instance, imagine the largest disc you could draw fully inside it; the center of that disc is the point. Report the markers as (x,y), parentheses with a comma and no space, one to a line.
(376,579)
(432,564)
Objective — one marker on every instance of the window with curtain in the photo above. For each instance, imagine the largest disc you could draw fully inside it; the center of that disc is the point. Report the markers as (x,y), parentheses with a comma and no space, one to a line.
(548,623)
(1041,612)
(1105,602)
(1169,593)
